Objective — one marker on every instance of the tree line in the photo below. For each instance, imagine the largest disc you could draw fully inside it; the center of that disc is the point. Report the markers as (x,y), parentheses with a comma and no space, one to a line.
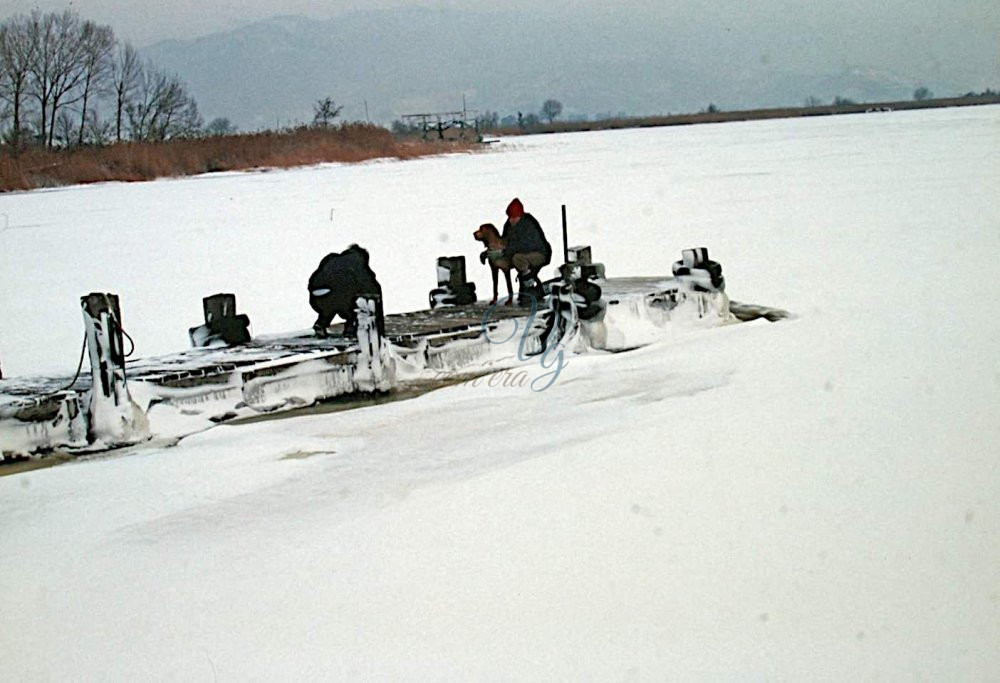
(66,81)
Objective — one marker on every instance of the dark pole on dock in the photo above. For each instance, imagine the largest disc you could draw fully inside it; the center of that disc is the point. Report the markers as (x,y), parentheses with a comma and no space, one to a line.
(565,238)
(113,417)
(102,316)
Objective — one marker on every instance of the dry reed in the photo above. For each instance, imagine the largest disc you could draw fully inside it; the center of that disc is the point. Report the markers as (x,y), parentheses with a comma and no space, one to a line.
(134,161)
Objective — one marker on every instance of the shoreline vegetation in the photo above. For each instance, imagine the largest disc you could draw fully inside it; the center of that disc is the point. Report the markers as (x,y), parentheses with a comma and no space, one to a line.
(36,167)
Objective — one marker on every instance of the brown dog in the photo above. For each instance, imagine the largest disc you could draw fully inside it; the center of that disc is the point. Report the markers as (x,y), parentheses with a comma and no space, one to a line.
(490,237)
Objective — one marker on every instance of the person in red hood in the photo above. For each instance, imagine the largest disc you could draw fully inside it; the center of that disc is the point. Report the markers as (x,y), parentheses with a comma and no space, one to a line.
(527,247)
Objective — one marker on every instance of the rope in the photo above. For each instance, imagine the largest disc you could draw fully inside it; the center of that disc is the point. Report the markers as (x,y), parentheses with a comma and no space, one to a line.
(76,375)
(83,350)
(114,322)
(130,341)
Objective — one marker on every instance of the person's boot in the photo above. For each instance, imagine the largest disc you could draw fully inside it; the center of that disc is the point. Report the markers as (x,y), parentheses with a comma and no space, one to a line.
(533,286)
(524,290)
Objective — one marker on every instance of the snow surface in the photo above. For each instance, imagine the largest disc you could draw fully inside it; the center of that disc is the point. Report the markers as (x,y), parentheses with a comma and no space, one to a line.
(813,499)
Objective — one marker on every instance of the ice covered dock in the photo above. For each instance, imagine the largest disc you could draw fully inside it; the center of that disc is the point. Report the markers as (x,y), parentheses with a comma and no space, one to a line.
(121,401)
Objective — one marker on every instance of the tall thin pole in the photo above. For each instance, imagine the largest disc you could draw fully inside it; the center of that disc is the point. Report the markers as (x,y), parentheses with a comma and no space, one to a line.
(565,237)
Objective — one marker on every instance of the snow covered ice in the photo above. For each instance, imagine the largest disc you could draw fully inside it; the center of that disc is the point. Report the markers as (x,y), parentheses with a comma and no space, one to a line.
(814,499)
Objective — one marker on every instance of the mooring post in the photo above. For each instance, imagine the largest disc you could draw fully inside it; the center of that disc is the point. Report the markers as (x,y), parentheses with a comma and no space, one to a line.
(452,289)
(371,373)
(113,416)
(218,306)
(101,316)
(222,324)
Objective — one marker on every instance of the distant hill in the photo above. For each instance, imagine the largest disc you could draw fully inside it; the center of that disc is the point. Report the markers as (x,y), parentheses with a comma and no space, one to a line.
(270,73)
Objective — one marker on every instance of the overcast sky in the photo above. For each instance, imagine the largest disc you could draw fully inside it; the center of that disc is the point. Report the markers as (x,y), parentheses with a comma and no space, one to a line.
(147,21)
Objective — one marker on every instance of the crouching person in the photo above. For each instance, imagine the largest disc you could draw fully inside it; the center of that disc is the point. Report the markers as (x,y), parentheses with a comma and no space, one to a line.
(526,248)
(335,286)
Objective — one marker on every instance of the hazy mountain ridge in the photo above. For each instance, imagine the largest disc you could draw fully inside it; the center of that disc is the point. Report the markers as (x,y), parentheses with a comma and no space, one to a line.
(412,60)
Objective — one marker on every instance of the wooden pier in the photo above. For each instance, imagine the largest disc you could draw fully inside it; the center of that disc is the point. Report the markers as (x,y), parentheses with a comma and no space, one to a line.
(39,415)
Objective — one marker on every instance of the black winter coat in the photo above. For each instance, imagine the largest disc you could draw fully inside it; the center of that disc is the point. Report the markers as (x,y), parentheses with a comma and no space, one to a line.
(526,236)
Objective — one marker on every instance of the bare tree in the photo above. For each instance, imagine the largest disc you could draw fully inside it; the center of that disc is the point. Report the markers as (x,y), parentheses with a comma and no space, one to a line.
(922,93)
(551,109)
(98,43)
(64,129)
(141,108)
(98,130)
(17,54)
(126,73)
(220,126)
(52,64)
(325,111)
(813,101)
(58,66)
(162,109)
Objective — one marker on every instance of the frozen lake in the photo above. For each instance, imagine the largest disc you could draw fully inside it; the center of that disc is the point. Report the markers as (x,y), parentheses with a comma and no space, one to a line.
(753,192)
(813,499)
